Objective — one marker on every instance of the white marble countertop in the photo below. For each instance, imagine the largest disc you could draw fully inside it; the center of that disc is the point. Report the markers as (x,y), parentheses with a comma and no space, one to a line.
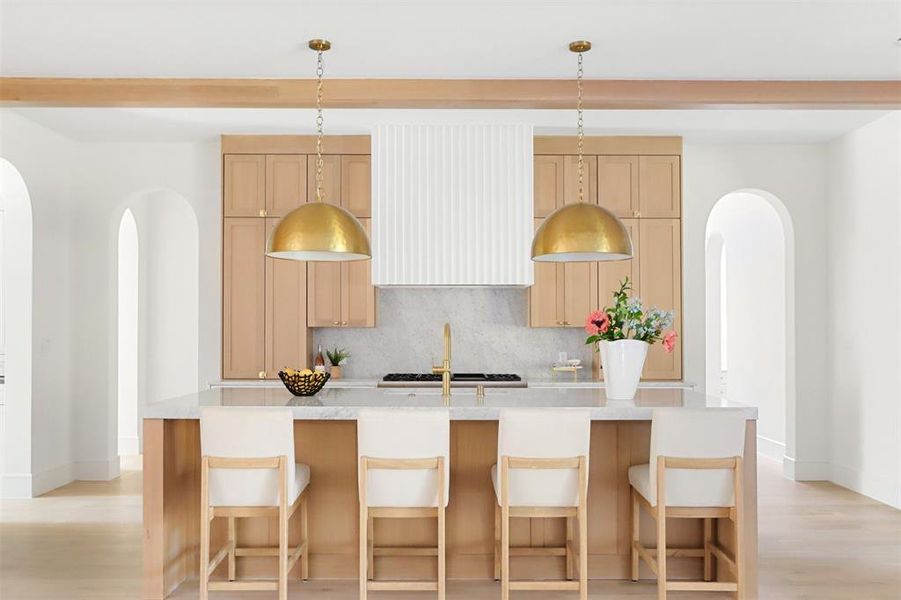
(344,403)
(561,381)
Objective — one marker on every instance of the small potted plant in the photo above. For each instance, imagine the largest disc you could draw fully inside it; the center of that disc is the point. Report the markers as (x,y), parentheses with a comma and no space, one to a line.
(623,333)
(337,356)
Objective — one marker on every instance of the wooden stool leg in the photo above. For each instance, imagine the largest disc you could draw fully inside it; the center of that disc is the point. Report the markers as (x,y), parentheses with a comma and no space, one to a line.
(442,576)
(364,526)
(708,539)
(636,528)
(505,530)
(497,542)
(370,548)
(283,532)
(233,540)
(661,530)
(204,529)
(739,531)
(570,565)
(305,527)
(583,529)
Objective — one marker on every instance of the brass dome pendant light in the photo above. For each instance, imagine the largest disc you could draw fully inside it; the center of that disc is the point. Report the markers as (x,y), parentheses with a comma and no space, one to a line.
(318,231)
(581,232)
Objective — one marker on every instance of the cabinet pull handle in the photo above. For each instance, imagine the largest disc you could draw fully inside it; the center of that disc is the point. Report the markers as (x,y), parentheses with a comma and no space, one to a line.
(262,212)
(261,375)
(343,323)
(335,323)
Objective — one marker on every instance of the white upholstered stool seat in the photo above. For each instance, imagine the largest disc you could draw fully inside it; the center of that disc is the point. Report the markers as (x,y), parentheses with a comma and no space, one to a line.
(686,489)
(694,472)
(542,471)
(254,490)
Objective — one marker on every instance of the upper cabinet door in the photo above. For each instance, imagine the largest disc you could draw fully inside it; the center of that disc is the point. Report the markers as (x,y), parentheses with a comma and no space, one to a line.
(357,292)
(548,191)
(286,183)
(286,313)
(589,179)
(545,295)
(661,286)
(618,184)
(324,282)
(244,182)
(611,273)
(356,184)
(331,179)
(580,292)
(243,298)
(660,186)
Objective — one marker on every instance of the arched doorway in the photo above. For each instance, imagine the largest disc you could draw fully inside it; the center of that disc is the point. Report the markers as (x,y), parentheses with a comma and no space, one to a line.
(158,310)
(127,380)
(16,290)
(749,273)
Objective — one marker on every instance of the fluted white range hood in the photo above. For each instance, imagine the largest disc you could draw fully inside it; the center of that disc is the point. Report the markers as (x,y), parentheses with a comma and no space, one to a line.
(451,205)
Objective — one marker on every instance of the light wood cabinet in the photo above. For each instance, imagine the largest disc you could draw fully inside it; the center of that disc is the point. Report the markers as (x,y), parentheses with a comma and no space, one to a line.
(356,185)
(618,185)
(286,183)
(341,294)
(286,335)
(244,185)
(548,190)
(243,298)
(611,274)
(660,242)
(660,186)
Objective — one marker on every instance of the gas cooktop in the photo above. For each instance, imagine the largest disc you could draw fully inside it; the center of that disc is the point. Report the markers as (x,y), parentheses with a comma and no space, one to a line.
(457,380)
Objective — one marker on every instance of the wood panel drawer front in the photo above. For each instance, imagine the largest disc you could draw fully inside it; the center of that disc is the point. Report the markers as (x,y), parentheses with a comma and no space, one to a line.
(331,179)
(580,292)
(287,342)
(358,294)
(618,184)
(243,306)
(661,286)
(611,273)
(244,185)
(660,186)
(286,183)
(324,294)
(356,184)
(589,179)
(548,190)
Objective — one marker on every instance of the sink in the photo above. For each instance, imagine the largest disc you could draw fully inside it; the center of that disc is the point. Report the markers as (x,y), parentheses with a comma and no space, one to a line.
(437,391)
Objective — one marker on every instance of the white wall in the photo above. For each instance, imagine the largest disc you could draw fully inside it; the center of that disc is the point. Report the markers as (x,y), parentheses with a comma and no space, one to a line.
(44,160)
(753,249)
(796,175)
(863,328)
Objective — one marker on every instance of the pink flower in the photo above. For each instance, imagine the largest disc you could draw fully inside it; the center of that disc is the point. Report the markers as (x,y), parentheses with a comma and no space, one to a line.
(669,341)
(597,322)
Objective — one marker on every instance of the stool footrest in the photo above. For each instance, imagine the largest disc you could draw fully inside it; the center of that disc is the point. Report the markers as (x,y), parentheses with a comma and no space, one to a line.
(404,551)
(545,585)
(701,586)
(400,586)
(243,586)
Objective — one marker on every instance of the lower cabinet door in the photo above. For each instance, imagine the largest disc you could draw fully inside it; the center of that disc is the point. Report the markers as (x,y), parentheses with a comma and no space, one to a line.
(612,273)
(661,286)
(580,292)
(287,342)
(243,298)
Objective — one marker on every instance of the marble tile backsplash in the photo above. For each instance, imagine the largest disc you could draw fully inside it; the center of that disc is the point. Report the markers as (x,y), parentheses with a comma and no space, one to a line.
(489,329)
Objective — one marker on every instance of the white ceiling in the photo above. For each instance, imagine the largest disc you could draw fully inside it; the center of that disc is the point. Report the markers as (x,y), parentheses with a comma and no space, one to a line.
(191,125)
(634,39)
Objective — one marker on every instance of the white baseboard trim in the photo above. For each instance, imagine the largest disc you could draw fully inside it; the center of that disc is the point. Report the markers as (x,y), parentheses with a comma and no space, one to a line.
(810,470)
(51,479)
(16,486)
(97,470)
(129,446)
(770,448)
(875,487)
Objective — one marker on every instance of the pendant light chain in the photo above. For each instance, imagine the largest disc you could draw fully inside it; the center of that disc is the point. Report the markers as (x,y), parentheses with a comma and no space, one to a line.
(319,72)
(579,123)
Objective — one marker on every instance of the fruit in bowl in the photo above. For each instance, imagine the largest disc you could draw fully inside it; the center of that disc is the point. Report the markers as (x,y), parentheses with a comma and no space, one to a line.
(303,382)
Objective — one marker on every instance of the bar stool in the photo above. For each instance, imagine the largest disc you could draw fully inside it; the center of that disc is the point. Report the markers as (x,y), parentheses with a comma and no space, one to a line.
(248,470)
(543,458)
(403,474)
(696,461)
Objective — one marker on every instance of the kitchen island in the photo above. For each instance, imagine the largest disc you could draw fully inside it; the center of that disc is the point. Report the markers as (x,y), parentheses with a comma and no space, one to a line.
(325,439)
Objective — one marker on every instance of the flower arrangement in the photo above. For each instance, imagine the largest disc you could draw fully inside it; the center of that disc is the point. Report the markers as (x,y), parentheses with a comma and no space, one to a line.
(628,319)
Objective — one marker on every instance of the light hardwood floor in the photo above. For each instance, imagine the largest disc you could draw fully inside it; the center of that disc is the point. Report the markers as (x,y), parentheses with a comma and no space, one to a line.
(817,541)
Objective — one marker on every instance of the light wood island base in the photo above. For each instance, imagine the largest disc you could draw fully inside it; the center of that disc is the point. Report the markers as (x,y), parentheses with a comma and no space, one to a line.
(172,511)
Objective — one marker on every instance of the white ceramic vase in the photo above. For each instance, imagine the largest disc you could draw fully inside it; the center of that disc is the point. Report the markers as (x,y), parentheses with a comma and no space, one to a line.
(623,361)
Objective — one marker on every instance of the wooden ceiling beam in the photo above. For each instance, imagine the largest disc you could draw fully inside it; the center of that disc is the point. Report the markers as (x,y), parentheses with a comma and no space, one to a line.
(449,93)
